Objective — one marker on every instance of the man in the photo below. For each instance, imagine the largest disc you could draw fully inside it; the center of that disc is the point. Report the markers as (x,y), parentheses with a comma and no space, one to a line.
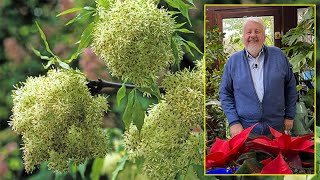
(258,85)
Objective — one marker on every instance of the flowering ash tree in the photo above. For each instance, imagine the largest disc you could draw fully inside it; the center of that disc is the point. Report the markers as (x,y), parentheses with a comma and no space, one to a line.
(59,115)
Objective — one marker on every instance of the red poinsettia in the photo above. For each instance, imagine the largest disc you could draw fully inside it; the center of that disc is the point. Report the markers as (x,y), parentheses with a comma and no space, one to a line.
(283,143)
(223,151)
(266,161)
(276,166)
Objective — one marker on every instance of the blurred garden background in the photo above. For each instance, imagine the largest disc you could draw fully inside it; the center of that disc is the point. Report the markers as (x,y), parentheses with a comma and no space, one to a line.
(19,34)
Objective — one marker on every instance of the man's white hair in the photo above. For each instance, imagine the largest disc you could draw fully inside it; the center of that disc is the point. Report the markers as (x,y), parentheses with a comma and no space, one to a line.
(254,19)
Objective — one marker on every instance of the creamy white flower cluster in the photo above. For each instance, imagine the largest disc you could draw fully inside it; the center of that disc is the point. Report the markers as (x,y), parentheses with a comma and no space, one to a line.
(134,39)
(167,141)
(59,120)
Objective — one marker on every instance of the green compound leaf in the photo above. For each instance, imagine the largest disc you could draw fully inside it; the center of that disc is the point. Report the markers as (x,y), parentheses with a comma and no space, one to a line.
(139,162)
(37,53)
(191,2)
(51,62)
(81,15)
(86,37)
(182,41)
(174,12)
(127,115)
(138,113)
(154,90)
(121,93)
(190,173)
(59,176)
(63,65)
(44,173)
(187,45)
(183,8)
(89,8)
(82,169)
(188,48)
(180,25)
(184,31)
(96,168)
(68,11)
(172,3)
(120,167)
(194,46)
(199,169)
(43,37)
(179,176)
(72,169)
(84,41)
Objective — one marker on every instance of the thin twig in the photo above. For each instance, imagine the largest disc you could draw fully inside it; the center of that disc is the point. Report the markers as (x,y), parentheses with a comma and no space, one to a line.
(95,86)
(103,83)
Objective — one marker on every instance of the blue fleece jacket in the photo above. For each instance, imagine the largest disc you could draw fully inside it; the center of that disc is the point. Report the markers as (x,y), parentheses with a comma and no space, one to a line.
(239,99)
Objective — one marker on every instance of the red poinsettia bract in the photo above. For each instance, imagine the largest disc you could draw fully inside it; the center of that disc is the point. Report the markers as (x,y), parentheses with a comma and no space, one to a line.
(283,143)
(266,161)
(223,151)
(276,166)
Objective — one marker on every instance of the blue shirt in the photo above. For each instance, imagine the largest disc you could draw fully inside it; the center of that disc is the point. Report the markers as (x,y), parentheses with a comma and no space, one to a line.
(256,67)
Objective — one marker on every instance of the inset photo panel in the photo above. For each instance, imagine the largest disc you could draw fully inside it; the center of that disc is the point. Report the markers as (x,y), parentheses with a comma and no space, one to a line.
(260,89)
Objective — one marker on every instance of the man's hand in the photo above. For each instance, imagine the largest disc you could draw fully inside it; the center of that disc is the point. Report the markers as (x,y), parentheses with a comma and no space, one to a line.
(288,124)
(235,129)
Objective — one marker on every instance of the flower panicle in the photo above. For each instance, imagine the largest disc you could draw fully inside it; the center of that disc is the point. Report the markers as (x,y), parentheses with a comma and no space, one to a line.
(134,40)
(168,128)
(58,119)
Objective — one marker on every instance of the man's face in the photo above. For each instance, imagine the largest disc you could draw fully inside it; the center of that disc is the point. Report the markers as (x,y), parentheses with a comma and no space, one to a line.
(253,37)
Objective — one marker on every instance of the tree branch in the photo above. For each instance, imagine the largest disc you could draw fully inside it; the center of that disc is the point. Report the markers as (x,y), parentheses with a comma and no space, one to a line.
(95,86)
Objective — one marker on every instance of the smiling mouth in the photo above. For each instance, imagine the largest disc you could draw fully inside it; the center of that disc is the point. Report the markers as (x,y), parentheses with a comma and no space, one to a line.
(253,40)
